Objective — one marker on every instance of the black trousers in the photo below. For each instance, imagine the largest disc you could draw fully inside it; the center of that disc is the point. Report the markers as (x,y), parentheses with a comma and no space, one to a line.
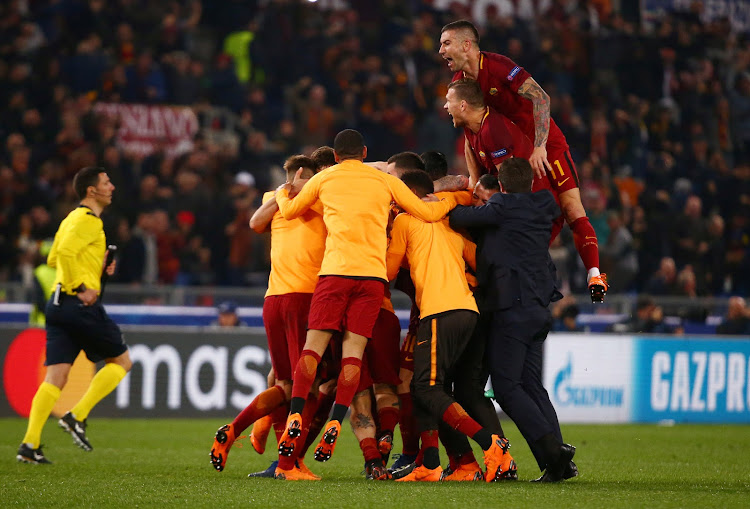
(515,352)
(472,371)
(441,340)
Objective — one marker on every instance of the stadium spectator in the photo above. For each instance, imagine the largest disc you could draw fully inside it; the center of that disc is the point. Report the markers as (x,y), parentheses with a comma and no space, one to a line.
(663,281)
(682,116)
(648,318)
(737,319)
(227,315)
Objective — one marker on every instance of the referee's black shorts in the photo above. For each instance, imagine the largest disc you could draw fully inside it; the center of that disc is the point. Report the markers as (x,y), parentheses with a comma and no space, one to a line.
(72,327)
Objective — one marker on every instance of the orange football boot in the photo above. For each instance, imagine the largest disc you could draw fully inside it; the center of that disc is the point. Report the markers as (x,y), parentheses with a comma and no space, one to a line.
(598,287)
(303,468)
(423,474)
(295,474)
(498,460)
(469,472)
(259,435)
(327,443)
(223,441)
(288,441)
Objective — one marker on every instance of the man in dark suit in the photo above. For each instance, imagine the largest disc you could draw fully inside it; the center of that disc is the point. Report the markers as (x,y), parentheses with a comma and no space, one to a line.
(517,281)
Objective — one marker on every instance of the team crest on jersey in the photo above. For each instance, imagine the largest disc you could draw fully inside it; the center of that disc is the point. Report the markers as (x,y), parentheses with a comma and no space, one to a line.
(499,153)
(482,154)
(493,91)
(513,73)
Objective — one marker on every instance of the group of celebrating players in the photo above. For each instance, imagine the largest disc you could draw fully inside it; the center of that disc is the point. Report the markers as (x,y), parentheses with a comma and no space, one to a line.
(342,229)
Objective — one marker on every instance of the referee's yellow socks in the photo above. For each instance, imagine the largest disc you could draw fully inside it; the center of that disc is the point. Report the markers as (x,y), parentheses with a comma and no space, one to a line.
(104,382)
(41,406)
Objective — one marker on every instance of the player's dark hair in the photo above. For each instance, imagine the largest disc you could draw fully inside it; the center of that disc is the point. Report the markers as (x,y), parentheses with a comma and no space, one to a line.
(407,161)
(294,163)
(466,26)
(468,90)
(489,182)
(418,180)
(88,176)
(323,157)
(435,164)
(349,144)
(516,175)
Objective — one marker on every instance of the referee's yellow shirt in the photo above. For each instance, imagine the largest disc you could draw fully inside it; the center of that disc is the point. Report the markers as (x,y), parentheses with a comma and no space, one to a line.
(78,250)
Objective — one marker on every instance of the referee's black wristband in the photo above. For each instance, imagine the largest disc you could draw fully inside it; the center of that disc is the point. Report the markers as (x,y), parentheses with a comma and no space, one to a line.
(80,288)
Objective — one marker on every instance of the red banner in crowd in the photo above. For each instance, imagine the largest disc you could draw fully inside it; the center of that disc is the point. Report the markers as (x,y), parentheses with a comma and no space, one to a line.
(143,129)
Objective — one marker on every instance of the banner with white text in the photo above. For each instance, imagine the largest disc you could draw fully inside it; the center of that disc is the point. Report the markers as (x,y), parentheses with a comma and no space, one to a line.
(144,129)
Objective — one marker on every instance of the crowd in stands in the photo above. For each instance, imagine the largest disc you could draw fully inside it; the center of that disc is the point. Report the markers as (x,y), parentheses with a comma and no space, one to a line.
(657,118)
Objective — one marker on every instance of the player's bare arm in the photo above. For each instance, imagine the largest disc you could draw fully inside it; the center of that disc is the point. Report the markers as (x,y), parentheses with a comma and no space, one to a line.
(378,165)
(472,164)
(532,91)
(261,220)
(451,183)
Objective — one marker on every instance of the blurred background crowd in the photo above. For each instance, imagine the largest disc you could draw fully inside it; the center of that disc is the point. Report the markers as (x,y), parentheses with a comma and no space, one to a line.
(657,115)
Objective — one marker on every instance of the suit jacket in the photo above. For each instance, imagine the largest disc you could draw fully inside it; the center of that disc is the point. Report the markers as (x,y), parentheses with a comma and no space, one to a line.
(513,263)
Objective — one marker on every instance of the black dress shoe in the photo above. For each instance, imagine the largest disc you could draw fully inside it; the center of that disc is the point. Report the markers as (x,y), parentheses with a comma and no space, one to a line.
(559,469)
(570,471)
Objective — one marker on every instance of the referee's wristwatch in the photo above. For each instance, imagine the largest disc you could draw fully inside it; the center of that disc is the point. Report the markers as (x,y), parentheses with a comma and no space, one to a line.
(80,288)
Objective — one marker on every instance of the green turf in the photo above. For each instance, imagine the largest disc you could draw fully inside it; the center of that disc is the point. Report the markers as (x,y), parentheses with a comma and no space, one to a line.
(156,462)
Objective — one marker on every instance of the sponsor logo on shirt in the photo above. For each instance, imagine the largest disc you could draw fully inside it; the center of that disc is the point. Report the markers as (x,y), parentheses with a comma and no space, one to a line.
(499,153)
(513,73)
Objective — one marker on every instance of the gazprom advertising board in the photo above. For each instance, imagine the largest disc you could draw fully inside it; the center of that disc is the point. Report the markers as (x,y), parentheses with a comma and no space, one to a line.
(692,380)
(588,377)
(610,378)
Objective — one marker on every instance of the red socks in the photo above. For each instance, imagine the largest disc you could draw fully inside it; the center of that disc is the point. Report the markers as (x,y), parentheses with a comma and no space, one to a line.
(408,425)
(304,373)
(263,404)
(388,418)
(369,449)
(457,418)
(586,243)
(348,380)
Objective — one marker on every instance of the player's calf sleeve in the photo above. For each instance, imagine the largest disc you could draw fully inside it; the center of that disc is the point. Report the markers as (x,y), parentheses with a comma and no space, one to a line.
(369,449)
(457,418)
(347,384)
(304,376)
(408,425)
(586,243)
(41,406)
(104,382)
(263,404)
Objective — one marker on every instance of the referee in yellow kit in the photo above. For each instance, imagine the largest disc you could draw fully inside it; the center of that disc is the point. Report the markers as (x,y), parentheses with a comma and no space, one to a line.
(76,319)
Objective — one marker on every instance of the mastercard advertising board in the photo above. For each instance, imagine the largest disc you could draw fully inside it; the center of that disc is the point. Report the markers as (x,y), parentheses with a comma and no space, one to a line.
(185,372)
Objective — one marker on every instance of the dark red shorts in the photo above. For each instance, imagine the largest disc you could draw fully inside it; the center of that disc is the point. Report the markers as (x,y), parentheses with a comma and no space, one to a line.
(562,176)
(407,351)
(382,353)
(285,320)
(341,303)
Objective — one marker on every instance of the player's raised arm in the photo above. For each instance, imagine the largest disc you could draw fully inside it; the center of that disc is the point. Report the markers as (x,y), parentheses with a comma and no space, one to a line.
(426,211)
(291,208)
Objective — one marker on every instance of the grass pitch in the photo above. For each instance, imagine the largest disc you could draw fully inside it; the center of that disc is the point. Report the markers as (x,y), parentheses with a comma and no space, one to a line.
(157,462)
